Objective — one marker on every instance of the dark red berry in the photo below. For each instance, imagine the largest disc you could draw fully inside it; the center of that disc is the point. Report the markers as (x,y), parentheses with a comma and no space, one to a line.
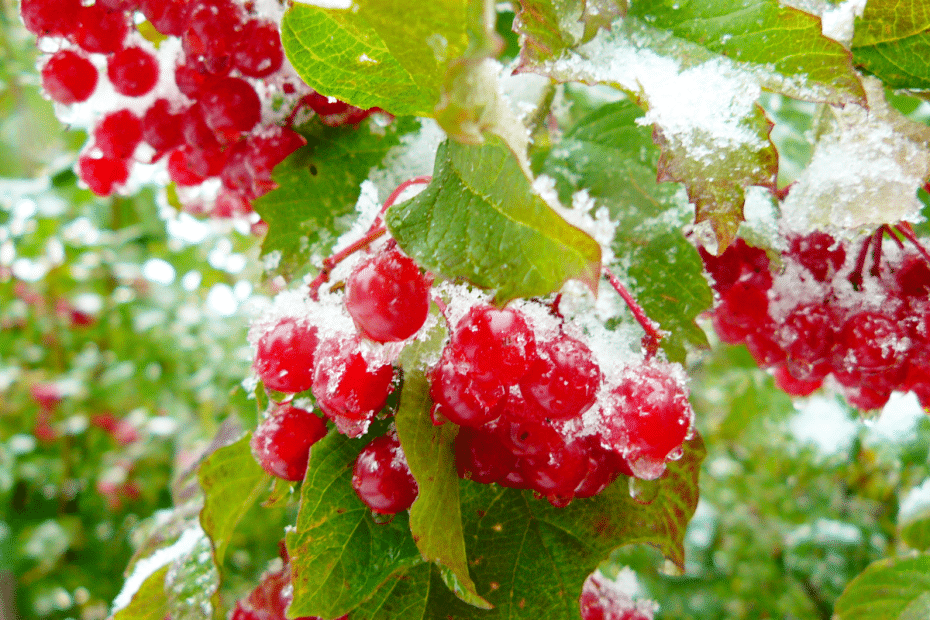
(229,107)
(68,77)
(480,456)
(118,134)
(819,253)
(169,17)
(102,174)
(795,387)
(739,261)
(281,443)
(322,104)
(133,71)
(870,343)
(286,354)
(557,474)
(563,380)
(179,170)
(913,277)
(808,334)
(381,477)
(258,52)
(161,129)
(388,297)
(212,32)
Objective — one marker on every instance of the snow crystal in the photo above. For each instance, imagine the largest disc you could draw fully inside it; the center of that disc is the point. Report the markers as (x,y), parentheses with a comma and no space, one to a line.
(864,172)
(702,104)
(413,157)
(897,421)
(145,567)
(837,22)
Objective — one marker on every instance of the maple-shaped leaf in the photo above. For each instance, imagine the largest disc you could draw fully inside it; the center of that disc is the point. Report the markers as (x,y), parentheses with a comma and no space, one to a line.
(699,83)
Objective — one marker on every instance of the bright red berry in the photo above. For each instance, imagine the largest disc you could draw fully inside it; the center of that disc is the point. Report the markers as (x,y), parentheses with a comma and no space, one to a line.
(480,456)
(133,71)
(229,107)
(68,77)
(258,52)
(101,31)
(50,17)
(463,398)
(819,253)
(118,134)
(103,173)
(564,379)
(381,477)
(347,388)
(494,343)
(161,128)
(388,297)
(281,443)
(286,354)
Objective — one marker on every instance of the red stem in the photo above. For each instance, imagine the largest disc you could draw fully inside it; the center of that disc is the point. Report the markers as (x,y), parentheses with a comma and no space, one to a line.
(877,251)
(330,263)
(894,237)
(905,229)
(653,333)
(856,276)
(400,190)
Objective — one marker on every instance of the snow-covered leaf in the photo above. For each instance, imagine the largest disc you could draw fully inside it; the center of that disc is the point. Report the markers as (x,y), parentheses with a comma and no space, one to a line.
(864,172)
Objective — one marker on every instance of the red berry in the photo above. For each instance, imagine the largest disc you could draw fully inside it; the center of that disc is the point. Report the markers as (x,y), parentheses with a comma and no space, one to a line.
(168,16)
(388,297)
(118,134)
(47,395)
(101,174)
(101,31)
(807,334)
(50,17)
(258,52)
(381,477)
(870,343)
(480,456)
(133,71)
(602,600)
(347,388)
(285,357)
(603,468)
(494,343)
(651,414)
(464,398)
(793,386)
(212,32)
(281,443)
(322,105)
(563,380)
(160,128)
(68,77)
(229,107)
(819,253)
(179,170)
(739,261)
(558,473)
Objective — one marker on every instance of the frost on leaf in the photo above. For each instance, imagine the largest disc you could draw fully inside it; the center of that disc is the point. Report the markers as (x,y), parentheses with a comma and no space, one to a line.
(865,171)
(714,137)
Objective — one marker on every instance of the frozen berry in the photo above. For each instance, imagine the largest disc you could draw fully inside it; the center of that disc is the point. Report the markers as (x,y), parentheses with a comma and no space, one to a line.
(68,77)
(102,173)
(133,71)
(563,380)
(281,443)
(381,477)
(118,134)
(495,343)
(258,52)
(229,107)
(285,357)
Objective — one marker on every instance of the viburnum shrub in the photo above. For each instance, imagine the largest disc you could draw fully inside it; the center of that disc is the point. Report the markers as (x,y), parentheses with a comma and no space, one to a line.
(498,240)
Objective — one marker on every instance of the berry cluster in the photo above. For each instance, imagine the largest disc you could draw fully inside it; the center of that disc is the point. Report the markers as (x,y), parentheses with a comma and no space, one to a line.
(203,102)
(538,413)
(537,408)
(822,314)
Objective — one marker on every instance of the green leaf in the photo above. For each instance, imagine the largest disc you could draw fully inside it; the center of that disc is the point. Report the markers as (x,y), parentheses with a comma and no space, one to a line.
(612,157)
(339,555)
(150,601)
(530,559)
(232,482)
(318,185)
(479,219)
(436,515)
(699,83)
(191,582)
(369,58)
(892,42)
(890,589)
(550,27)
(916,531)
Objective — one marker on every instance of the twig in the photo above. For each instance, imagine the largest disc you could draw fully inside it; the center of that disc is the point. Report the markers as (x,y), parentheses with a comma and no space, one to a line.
(653,332)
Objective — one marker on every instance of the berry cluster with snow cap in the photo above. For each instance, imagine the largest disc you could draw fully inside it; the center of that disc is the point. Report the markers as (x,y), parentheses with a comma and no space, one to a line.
(202,101)
(543,402)
(825,314)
